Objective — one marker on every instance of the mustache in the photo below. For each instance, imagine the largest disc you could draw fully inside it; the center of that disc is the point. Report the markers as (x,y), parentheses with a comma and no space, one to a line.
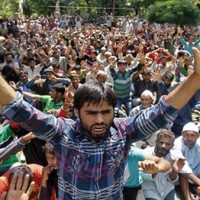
(102,123)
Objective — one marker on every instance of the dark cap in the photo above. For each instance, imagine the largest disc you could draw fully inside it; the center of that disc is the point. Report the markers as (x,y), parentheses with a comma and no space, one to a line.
(169,77)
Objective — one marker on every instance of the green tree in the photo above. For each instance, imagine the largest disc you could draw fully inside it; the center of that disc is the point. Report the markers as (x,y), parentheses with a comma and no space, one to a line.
(140,6)
(174,12)
(8,8)
(40,7)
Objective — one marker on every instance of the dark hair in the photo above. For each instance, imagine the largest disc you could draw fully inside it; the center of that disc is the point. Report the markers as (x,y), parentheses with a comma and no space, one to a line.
(59,88)
(6,71)
(169,77)
(23,168)
(73,75)
(48,148)
(9,54)
(31,59)
(94,92)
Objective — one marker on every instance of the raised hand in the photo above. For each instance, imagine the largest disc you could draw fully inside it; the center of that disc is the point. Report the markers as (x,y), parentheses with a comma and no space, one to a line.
(178,164)
(19,188)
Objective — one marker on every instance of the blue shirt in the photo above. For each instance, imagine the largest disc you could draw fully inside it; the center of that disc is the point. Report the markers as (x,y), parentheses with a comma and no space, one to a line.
(88,169)
(187,46)
(132,174)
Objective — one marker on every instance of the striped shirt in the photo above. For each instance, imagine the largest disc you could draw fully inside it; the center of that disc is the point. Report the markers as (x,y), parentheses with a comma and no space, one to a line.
(123,82)
(88,169)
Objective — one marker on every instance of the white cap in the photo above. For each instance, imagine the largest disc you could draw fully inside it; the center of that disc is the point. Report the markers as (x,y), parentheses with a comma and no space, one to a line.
(190,126)
(148,93)
(108,53)
(49,69)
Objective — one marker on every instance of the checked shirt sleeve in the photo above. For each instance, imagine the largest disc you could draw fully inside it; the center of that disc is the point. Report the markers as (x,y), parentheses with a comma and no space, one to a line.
(19,111)
(151,119)
(11,149)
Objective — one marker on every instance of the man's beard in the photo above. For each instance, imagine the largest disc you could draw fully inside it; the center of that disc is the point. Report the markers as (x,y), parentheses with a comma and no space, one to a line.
(97,138)
(160,152)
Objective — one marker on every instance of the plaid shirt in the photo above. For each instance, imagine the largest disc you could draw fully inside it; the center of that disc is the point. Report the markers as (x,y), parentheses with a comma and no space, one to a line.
(88,169)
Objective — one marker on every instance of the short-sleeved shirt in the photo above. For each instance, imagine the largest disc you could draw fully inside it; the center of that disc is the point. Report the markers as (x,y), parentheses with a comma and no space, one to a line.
(132,177)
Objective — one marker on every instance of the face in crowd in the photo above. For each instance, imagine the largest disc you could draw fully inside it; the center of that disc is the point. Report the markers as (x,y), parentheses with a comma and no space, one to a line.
(94,105)
(190,134)
(75,81)
(164,142)
(146,99)
(50,155)
(122,67)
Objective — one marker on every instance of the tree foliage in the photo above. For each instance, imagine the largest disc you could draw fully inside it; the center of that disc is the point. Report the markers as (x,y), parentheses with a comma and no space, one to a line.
(8,8)
(174,12)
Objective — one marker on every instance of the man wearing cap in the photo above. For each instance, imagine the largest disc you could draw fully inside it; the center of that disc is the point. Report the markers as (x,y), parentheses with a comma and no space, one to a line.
(189,145)
(123,82)
(43,86)
(130,60)
(142,83)
(101,58)
(146,99)
(164,84)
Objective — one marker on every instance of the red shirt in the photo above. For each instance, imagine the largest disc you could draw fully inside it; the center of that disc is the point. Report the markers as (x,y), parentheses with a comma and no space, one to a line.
(37,174)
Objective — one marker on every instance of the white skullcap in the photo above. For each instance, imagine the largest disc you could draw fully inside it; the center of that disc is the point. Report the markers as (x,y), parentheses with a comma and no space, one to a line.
(190,126)
(108,53)
(147,93)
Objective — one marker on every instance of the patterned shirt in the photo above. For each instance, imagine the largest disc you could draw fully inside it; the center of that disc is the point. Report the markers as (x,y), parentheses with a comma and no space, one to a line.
(88,169)
(122,82)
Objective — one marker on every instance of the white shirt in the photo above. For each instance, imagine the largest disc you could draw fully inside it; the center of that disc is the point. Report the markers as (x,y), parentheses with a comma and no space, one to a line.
(32,73)
(192,155)
(159,186)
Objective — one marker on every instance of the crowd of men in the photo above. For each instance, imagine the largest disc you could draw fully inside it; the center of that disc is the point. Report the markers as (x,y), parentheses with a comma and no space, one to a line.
(57,64)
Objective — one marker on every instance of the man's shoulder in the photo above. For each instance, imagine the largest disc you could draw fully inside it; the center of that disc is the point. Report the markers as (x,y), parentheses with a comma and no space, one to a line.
(46,97)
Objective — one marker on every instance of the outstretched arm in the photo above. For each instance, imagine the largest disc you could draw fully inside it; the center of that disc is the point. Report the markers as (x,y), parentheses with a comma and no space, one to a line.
(32,96)
(177,98)
(182,94)
(153,165)
(15,146)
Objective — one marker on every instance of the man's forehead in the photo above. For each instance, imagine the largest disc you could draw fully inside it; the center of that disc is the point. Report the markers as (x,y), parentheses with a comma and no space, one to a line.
(103,104)
(165,139)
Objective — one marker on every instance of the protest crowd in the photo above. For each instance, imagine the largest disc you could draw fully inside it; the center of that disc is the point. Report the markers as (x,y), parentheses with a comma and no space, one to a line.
(52,64)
